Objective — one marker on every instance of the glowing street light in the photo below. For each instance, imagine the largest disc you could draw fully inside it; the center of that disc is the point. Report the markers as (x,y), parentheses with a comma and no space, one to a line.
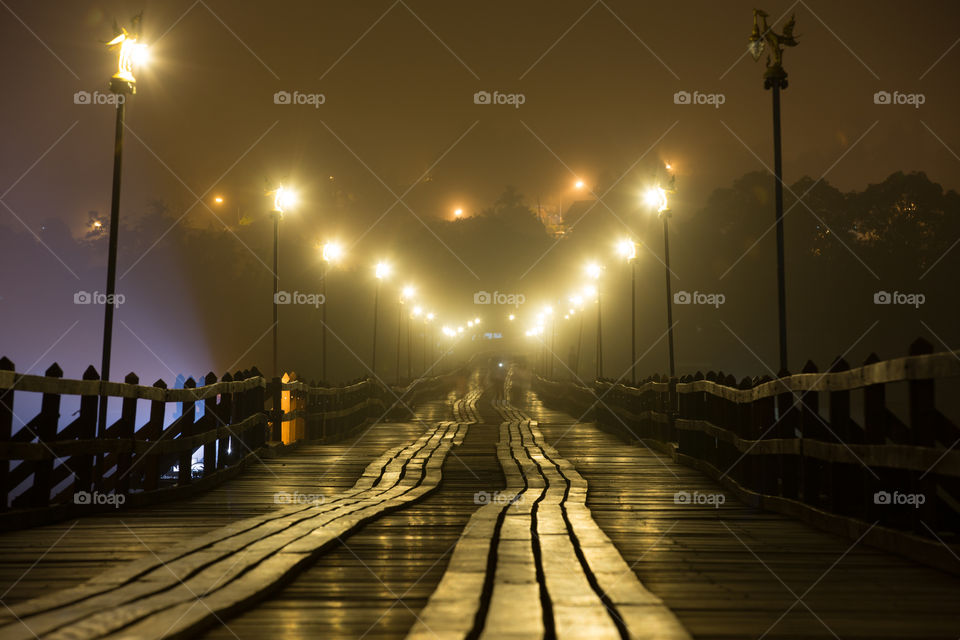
(381,271)
(218,200)
(578,185)
(511,317)
(594,271)
(283,198)
(657,197)
(131,53)
(331,252)
(457,213)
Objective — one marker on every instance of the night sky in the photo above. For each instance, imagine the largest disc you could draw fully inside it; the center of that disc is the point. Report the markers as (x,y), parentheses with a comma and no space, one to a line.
(399,143)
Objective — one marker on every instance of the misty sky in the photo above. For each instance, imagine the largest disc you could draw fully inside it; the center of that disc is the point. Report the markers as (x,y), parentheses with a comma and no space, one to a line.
(598,82)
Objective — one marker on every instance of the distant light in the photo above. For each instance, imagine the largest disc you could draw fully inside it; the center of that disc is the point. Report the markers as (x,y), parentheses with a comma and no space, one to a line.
(470,323)
(578,184)
(548,310)
(457,213)
(408,292)
(668,166)
(383,270)
(627,249)
(97,224)
(417,311)
(332,252)
(476,321)
(566,316)
(499,364)
(460,329)
(594,270)
(511,317)
(430,317)
(576,300)
(218,200)
(590,291)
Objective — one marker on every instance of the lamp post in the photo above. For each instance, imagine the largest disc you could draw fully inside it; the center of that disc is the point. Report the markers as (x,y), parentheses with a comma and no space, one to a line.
(657,197)
(775,79)
(427,324)
(331,252)
(283,198)
(381,271)
(122,84)
(627,249)
(406,293)
(594,270)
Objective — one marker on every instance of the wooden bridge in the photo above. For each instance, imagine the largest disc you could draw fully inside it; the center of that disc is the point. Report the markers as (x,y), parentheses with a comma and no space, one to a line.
(485,503)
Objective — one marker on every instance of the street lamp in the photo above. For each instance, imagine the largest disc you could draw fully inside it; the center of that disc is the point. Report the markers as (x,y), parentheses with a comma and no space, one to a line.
(381,272)
(594,271)
(627,249)
(332,252)
(406,293)
(283,199)
(657,197)
(775,79)
(123,83)
(428,320)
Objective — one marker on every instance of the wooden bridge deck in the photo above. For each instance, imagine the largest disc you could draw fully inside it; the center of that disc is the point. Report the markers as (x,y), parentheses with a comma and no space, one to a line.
(727,572)
(735,572)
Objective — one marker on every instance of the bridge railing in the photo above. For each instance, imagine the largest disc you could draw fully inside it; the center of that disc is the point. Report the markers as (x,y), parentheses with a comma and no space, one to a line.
(830,448)
(145,457)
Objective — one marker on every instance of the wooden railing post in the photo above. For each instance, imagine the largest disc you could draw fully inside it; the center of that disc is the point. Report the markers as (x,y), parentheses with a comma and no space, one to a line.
(811,468)
(150,432)
(185,427)
(45,427)
(845,481)
(209,421)
(125,430)
(224,413)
